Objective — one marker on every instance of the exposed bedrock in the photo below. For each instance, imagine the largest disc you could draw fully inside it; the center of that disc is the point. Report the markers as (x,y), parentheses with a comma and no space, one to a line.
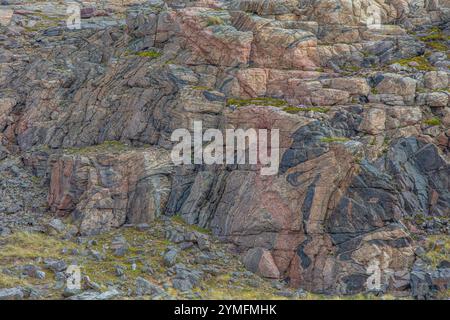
(107,191)
(322,222)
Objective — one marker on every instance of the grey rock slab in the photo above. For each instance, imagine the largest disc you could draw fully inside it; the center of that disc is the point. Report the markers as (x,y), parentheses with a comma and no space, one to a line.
(11,294)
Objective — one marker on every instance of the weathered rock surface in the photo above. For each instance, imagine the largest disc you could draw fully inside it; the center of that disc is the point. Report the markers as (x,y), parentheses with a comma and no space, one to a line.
(11,294)
(107,191)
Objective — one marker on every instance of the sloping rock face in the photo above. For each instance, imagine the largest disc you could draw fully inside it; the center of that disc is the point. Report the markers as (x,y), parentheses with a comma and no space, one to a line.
(106,191)
(360,98)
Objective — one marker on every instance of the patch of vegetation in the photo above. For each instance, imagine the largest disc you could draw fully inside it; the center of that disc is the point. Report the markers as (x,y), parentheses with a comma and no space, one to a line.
(352,68)
(178,219)
(433,122)
(145,249)
(149,54)
(438,249)
(419,219)
(139,243)
(22,245)
(262,101)
(421,90)
(421,63)
(49,18)
(107,146)
(334,139)
(374,91)
(35,179)
(217,289)
(201,88)
(435,34)
(438,46)
(214,21)
(294,110)
(33,29)
(7,281)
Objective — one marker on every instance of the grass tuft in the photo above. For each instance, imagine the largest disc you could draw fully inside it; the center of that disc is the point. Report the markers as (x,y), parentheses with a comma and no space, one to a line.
(421,61)
(438,46)
(293,109)
(334,139)
(433,122)
(262,101)
(438,249)
(214,21)
(107,146)
(21,245)
(193,227)
(149,54)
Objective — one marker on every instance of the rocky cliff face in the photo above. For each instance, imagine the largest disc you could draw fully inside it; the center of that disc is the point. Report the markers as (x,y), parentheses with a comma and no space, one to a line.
(359,91)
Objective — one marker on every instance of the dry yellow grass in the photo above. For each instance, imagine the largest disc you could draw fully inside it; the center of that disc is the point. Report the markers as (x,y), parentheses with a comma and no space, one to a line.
(23,245)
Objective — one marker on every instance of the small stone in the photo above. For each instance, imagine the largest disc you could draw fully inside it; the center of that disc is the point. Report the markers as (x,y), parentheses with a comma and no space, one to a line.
(203,244)
(68,292)
(120,246)
(435,80)
(56,225)
(4,231)
(419,251)
(170,258)
(92,242)
(145,287)
(186,245)
(55,265)
(300,293)
(437,99)
(40,274)
(202,259)
(147,269)
(35,294)
(96,255)
(120,271)
(143,226)
(87,13)
(89,284)
(92,295)
(60,276)
(182,284)
(287,294)
(444,264)
(120,252)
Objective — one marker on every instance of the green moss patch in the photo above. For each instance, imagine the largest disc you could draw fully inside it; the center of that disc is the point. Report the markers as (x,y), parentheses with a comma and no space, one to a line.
(438,249)
(438,46)
(107,146)
(435,34)
(149,54)
(263,101)
(201,88)
(214,21)
(294,110)
(433,122)
(421,63)
(334,139)
(180,220)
